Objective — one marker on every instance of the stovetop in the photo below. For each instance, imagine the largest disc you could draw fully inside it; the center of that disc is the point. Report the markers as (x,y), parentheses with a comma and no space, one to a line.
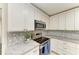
(41,39)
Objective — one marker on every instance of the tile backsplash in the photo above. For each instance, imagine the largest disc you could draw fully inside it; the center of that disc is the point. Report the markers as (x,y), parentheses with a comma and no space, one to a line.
(18,37)
(15,38)
(67,34)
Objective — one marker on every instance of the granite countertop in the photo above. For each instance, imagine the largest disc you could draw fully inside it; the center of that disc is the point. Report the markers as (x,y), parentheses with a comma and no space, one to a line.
(21,48)
(64,38)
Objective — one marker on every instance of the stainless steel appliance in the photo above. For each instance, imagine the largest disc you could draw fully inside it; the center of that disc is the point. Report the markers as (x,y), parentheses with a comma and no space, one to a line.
(45,48)
(44,44)
(39,25)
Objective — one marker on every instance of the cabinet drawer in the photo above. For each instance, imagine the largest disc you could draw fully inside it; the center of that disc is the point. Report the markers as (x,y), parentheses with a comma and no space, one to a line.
(69,44)
(35,51)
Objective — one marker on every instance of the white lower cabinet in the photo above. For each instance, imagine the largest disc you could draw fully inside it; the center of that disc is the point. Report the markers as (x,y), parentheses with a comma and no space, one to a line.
(59,46)
(34,51)
(53,44)
(77,50)
(69,48)
(64,47)
(56,45)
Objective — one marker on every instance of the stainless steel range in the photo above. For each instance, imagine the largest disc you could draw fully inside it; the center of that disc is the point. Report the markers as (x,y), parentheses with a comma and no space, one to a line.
(44,43)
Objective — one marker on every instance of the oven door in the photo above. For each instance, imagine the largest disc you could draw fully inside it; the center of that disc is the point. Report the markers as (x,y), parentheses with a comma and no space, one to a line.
(45,48)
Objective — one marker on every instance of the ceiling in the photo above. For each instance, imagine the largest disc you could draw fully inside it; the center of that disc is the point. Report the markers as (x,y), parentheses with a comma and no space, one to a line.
(53,8)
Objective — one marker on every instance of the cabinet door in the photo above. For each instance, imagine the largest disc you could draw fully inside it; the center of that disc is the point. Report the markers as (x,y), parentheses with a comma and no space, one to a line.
(47,23)
(64,47)
(54,22)
(59,46)
(35,51)
(53,44)
(61,25)
(15,17)
(29,17)
(69,48)
(77,49)
(37,14)
(70,20)
(77,19)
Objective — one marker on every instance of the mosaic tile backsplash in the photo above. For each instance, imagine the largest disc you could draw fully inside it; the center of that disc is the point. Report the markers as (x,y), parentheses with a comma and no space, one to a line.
(18,37)
(15,38)
(67,34)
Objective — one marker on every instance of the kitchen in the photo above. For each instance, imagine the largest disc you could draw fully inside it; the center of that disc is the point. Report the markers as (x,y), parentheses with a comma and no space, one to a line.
(42,29)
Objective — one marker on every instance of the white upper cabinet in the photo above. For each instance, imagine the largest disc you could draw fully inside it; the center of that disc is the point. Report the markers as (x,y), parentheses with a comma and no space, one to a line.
(54,22)
(61,25)
(47,22)
(39,15)
(65,21)
(15,17)
(77,19)
(21,17)
(70,20)
(29,17)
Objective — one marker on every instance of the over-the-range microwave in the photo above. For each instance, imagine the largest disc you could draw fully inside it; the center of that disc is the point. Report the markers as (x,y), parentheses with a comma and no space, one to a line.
(39,25)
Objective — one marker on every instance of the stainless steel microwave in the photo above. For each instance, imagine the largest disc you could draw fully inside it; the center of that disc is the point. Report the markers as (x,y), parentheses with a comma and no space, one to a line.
(39,24)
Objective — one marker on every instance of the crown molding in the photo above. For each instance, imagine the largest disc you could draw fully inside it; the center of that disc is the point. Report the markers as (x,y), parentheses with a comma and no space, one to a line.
(39,8)
(64,11)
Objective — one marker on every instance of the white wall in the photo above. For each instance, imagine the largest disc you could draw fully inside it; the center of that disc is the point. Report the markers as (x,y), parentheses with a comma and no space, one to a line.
(0,24)
(0,30)
(3,6)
